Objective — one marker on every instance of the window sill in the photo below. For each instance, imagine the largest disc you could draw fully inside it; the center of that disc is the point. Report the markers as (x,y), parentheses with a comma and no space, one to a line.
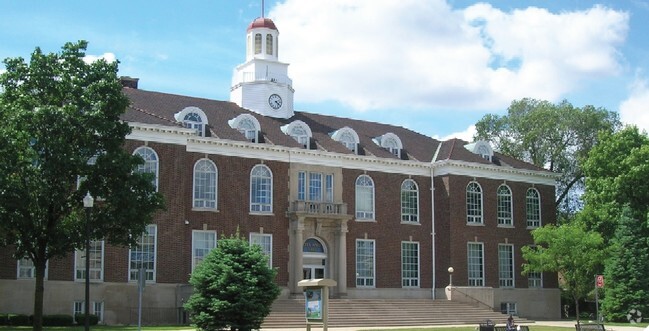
(98,281)
(261,213)
(410,223)
(475,224)
(365,220)
(505,226)
(213,210)
(532,227)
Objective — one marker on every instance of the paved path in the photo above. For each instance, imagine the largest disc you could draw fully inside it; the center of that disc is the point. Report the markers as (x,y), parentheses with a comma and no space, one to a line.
(567,324)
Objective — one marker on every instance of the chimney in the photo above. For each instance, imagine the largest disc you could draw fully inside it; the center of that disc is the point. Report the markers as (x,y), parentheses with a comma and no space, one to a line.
(129,82)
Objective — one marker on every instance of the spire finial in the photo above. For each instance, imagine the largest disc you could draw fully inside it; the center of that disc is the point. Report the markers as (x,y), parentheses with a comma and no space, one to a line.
(262,8)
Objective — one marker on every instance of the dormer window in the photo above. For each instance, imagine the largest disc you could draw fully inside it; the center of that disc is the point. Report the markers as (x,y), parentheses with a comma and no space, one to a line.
(481,148)
(348,137)
(247,125)
(391,142)
(192,118)
(299,131)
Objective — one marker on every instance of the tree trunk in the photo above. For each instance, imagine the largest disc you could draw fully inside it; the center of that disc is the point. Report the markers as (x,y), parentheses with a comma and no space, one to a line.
(577,311)
(39,264)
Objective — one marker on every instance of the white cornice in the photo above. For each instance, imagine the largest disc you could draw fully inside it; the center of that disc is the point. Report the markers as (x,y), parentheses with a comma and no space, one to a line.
(244,149)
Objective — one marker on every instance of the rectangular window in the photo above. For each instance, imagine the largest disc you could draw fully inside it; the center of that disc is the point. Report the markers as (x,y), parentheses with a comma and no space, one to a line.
(265,241)
(79,308)
(365,268)
(143,255)
(98,310)
(506,265)
(410,264)
(475,263)
(315,186)
(329,188)
(96,262)
(26,269)
(535,279)
(301,186)
(508,308)
(202,243)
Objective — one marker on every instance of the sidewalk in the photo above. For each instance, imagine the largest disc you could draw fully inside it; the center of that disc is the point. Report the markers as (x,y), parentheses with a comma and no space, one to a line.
(566,324)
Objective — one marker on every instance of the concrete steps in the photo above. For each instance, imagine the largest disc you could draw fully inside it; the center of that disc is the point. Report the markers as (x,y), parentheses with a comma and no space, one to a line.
(289,313)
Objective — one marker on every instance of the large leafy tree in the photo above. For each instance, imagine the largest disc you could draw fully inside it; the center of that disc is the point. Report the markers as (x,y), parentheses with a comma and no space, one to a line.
(61,138)
(556,137)
(570,250)
(233,287)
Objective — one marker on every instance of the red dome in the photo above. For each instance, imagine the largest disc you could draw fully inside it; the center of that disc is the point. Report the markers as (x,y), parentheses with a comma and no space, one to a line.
(262,22)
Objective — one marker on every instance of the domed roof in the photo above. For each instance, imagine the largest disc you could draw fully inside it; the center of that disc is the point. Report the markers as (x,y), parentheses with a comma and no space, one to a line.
(262,22)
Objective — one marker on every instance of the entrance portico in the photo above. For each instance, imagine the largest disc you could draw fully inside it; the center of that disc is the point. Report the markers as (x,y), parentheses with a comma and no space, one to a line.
(317,245)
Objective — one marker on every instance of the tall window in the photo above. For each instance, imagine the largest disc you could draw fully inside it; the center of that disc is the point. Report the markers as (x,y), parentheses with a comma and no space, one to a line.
(301,186)
(258,43)
(409,264)
(365,268)
(506,265)
(535,279)
(193,121)
(261,189)
(319,186)
(269,44)
(315,186)
(144,255)
(205,176)
(533,208)
(475,263)
(150,164)
(504,206)
(409,201)
(364,198)
(96,262)
(473,203)
(27,269)
(265,241)
(202,243)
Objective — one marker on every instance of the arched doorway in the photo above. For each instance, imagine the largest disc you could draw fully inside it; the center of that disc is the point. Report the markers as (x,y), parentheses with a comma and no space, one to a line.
(314,259)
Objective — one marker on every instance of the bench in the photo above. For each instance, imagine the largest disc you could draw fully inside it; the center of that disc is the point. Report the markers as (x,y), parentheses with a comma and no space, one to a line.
(504,328)
(597,327)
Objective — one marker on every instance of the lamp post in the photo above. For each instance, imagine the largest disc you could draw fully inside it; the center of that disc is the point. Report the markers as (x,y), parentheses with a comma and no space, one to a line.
(450,276)
(88,201)
(449,289)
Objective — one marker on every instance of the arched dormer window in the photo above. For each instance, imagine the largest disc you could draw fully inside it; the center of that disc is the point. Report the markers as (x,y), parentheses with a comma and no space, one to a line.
(391,142)
(193,118)
(348,137)
(269,44)
(247,125)
(299,131)
(481,148)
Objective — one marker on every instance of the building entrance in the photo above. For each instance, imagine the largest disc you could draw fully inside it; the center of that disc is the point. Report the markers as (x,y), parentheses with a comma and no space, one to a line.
(313,272)
(314,259)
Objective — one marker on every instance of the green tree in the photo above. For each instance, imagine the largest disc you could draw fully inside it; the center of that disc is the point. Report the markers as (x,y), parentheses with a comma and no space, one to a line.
(570,250)
(62,137)
(627,285)
(555,137)
(233,287)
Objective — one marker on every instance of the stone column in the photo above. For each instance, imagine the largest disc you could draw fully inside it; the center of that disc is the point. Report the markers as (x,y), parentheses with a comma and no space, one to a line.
(341,243)
(295,260)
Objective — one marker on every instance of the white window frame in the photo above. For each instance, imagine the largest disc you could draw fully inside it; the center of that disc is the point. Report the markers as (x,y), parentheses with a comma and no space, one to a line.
(80,263)
(79,307)
(248,125)
(533,208)
(348,137)
(509,308)
(366,277)
(199,125)
(256,205)
(505,206)
(266,246)
(475,264)
(409,201)
(407,280)
(28,266)
(205,188)
(151,162)
(299,131)
(506,265)
(150,273)
(206,247)
(474,204)
(365,192)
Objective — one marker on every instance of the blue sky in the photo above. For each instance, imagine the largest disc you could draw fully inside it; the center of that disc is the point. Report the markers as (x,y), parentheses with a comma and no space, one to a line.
(433,66)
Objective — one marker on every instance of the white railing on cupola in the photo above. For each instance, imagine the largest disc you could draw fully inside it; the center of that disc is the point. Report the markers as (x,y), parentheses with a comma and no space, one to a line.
(251,76)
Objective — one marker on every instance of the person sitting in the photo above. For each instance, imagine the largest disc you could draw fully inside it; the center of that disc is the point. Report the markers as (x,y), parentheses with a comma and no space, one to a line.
(510,326)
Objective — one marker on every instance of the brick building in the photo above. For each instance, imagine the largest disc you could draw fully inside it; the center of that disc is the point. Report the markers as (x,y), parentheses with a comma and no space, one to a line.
(381,209)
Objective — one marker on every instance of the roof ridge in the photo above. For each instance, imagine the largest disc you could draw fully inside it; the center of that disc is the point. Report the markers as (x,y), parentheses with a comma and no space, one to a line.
(154,115)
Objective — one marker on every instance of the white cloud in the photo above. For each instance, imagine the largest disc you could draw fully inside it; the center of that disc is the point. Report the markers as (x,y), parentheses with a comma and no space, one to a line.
(466,135)
(635,109)
(108,57)
(409,54)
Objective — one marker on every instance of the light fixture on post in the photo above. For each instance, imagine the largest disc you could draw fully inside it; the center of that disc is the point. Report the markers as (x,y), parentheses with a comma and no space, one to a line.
(450,276)
(88,202)
(449,289)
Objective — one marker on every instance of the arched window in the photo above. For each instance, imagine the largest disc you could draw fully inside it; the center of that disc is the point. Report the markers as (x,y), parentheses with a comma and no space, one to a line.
(533,208)
(247,125)
(504,197)
(261,189)
(192,118)
(348,137)
(269,44)
(474,203)
(205,179)
(364,198)
(299,131)
(391,142)
(150,164)
(193,121)
(409,201)
(258,43)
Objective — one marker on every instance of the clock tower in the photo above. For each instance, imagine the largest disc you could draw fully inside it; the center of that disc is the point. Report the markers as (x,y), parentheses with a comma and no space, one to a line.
(261,84)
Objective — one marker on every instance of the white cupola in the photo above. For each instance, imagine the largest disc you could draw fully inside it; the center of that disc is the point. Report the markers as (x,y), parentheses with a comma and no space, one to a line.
(261,84)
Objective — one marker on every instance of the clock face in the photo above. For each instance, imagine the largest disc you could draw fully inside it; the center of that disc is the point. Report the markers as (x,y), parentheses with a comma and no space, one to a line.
(275,101)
